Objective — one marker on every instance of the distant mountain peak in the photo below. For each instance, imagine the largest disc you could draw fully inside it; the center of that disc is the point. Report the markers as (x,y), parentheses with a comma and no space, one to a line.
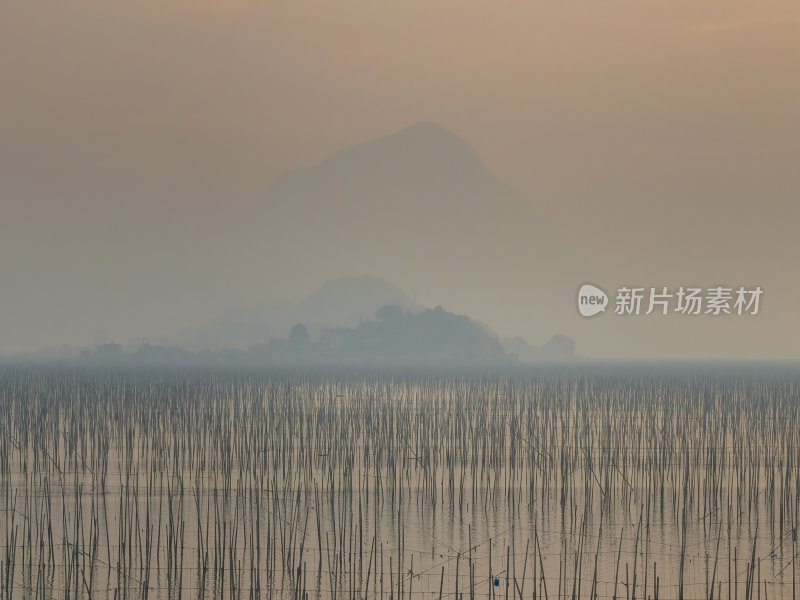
(427,127)
(424,149)
(428,132)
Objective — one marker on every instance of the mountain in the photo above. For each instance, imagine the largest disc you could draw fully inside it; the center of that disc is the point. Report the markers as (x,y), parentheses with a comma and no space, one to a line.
(417,206)
(420,207)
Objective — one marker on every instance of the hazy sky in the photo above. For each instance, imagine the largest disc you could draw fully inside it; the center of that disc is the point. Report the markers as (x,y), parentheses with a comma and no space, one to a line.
(661,137)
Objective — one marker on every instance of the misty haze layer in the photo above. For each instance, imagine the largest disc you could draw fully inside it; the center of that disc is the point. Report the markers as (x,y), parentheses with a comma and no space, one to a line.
(161,166)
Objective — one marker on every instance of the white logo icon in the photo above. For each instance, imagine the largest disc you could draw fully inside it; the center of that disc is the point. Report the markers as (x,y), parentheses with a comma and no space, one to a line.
(591,300)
